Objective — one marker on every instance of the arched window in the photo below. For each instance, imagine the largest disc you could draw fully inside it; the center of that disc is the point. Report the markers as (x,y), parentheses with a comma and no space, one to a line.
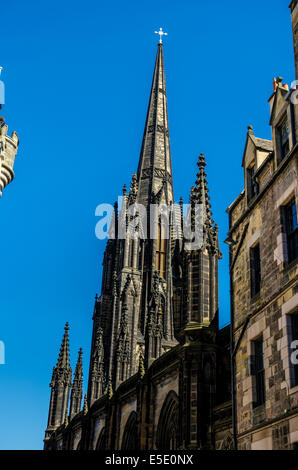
(129,440)
(161,249)
(79,446)
(130,252)
(228,443)
(167,429)
(101,441)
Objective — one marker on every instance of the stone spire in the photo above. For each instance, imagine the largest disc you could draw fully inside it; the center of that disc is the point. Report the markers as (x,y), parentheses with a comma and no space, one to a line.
(60,385)
(201,261)
(77,387)
(133,188)
(63,358)
(200,194)
(155,159)
(132,313)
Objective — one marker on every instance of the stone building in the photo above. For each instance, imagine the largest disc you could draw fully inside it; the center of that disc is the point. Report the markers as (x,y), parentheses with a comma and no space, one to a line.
(159,375)
(263,238)
(8,147)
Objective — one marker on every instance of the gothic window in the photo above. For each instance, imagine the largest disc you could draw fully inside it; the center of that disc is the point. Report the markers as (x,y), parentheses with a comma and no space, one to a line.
(255,270)
(283,136)
(228,442)
(259,372)
(54,406)
(291,229)
(129,440)
(167,429)
(79,446)
(161,250)
(131,250)
(252,185)
(101,441)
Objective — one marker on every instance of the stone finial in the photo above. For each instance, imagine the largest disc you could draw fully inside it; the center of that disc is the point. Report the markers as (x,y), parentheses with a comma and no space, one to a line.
(201,161)
(250,130)
(124,190)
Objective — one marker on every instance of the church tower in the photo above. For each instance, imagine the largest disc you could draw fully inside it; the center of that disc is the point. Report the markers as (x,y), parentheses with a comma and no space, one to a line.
(134,315)
(156,354)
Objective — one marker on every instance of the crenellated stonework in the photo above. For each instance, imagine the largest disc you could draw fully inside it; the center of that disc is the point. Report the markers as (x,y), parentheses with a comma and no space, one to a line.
(8,151)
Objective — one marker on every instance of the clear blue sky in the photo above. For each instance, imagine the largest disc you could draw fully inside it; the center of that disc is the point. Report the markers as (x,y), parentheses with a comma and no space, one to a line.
(78,78)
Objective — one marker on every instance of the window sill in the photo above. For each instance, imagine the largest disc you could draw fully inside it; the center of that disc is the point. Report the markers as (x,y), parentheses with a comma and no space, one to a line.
(288,266)
(251,199)
(281,159)
(293,389)
(259,414)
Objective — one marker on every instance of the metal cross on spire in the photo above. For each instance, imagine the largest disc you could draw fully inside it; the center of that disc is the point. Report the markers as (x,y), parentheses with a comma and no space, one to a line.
(161,34)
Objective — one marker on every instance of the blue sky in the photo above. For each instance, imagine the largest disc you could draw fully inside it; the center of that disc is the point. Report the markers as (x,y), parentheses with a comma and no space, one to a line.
(78,78)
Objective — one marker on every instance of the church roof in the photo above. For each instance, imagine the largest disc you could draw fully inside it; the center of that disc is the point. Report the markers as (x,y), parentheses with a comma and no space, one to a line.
(262,144)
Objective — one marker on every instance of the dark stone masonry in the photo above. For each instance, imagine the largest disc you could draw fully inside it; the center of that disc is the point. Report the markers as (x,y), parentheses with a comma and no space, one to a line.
(160,367)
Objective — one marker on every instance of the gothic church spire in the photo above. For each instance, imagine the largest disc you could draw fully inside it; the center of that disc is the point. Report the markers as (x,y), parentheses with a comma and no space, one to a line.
(155,169)
(77,387)
(60,385)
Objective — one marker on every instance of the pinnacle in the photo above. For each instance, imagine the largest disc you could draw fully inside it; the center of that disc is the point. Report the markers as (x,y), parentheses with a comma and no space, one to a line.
(201,161)
(79,365)
(63,359)
(200,192)
(134,185)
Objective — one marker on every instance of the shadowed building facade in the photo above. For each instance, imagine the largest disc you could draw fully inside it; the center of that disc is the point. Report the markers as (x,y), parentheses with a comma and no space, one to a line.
(159,365)
(263,233)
